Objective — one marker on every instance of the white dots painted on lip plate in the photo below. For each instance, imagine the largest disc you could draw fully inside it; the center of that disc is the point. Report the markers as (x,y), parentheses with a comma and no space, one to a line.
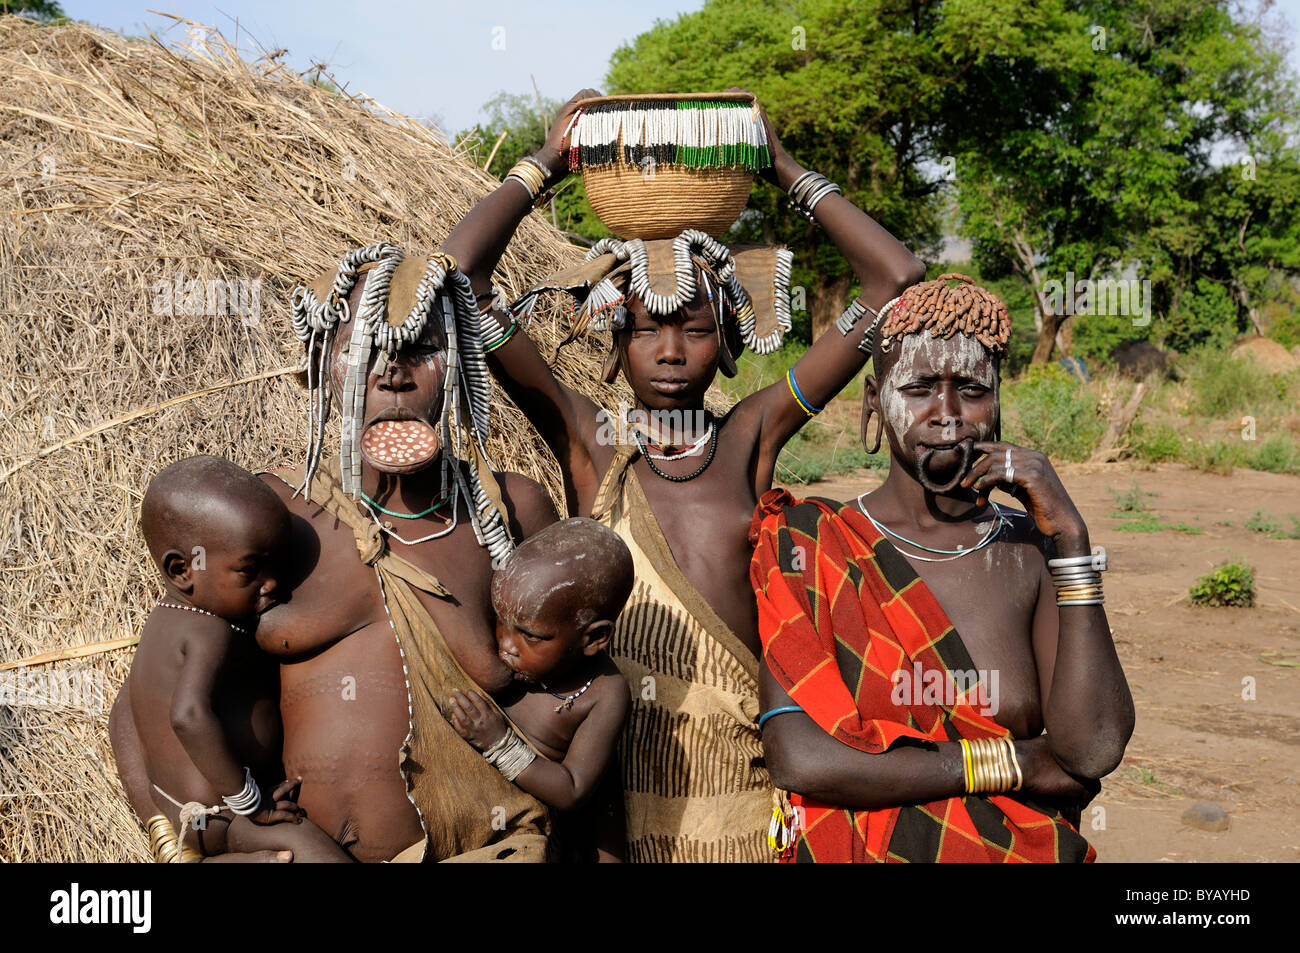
(399,442)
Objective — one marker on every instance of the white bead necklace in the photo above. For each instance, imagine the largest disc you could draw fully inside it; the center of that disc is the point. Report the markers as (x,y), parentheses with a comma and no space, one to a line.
(239,629)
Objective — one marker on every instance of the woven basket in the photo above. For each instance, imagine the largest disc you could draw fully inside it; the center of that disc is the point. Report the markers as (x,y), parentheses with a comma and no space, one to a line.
(664,201)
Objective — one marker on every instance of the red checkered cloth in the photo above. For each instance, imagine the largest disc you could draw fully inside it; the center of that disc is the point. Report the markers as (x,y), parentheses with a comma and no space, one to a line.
(839,612)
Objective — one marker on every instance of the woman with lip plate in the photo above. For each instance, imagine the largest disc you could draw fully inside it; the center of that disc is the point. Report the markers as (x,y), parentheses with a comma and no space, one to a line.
(887,620)
(682,495)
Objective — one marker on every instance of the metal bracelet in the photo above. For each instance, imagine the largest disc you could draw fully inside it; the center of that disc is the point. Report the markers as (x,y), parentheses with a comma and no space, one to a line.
(539,166)
(1097,561)
(825,190)
(1071,579)
(248,800)
(511,755)
(527,188)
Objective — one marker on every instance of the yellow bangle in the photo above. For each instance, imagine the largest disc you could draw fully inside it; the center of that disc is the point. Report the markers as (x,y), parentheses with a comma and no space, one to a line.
(965,759)
(529,176)
(1087,590)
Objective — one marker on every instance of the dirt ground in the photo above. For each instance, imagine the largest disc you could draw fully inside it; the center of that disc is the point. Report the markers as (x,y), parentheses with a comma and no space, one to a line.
(1197,737)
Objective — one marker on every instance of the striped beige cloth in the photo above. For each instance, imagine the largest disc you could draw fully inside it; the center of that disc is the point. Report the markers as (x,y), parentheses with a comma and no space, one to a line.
(695,784)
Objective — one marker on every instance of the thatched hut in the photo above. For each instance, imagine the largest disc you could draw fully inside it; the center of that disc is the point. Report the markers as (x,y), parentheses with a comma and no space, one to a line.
(157,206)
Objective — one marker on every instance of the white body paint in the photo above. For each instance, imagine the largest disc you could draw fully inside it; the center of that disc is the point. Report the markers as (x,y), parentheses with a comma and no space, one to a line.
(921,353)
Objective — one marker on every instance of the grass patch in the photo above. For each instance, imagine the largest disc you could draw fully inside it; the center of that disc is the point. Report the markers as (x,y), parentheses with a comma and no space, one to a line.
(1136,516)
(1150,523)
(1230,584)
(1261,522)
(816,452)
(1156,443)
(1221,456)
(1266,523)
(1133,500)
(1145,776)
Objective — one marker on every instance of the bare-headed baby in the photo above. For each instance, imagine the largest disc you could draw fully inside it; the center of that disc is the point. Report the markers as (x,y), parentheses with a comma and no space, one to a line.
(204,699)
(556,600)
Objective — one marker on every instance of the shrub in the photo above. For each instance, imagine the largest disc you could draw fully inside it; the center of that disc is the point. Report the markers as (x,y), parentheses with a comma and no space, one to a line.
(1156,443)
(1218,457)
(1231,584)
(1050,410)
(1224,386)
(1277,454)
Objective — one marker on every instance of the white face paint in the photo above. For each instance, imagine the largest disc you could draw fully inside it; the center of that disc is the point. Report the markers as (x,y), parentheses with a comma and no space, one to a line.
(922,355)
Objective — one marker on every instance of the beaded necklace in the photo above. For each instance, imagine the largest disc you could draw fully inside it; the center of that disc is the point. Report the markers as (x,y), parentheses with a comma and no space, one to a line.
(713,448)
(692,450)
(238,629)
(451,523)
(407,516)
(566,701)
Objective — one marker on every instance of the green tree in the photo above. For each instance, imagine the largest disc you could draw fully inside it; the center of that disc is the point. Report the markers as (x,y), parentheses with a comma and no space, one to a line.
(45,10)
(515,127)
(1085,141)
(851,88)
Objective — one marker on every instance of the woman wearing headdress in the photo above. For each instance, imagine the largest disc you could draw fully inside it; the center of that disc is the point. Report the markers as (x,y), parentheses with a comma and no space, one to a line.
(939,680)
(676,482)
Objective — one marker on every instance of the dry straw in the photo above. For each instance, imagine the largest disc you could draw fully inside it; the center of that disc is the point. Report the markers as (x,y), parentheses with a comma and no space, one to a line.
(127,163)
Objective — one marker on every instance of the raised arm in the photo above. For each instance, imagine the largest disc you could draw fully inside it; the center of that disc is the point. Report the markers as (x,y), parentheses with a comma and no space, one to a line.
(561,415)
(884,268)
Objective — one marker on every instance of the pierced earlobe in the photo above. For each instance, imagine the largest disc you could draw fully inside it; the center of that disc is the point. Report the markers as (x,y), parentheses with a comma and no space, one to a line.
(880,431)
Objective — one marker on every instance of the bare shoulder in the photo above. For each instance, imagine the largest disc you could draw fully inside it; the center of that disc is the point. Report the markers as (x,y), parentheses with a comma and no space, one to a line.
(744,420)
(1019,529)
(611,690)
(284,482)
(528,506)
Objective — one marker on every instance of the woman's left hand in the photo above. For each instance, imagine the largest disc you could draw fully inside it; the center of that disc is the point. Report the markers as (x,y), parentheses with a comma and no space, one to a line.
(552,154)
(1029,477)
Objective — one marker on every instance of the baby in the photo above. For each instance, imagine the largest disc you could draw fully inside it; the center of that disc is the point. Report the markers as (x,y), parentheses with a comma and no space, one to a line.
(204,700)
(556,600)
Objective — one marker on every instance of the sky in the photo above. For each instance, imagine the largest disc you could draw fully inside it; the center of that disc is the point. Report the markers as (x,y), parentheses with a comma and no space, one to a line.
(437,59)
(442,60)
